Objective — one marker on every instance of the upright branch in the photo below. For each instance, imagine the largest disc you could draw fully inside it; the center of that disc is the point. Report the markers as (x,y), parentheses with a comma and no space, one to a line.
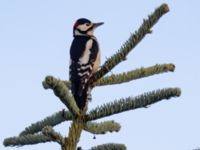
(74,134)
(133,40)
(62,92)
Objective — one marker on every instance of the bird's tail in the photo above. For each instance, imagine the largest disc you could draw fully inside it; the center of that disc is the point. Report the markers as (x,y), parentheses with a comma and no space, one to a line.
(81,95)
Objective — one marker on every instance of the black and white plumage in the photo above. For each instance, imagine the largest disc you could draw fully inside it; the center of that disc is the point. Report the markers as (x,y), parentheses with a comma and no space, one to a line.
(85,60)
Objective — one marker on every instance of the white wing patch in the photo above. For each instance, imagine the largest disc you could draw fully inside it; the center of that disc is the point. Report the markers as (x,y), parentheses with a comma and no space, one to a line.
(86,55)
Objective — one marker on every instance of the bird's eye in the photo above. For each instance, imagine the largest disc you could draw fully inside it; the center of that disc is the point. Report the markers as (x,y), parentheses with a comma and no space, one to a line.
(87,24)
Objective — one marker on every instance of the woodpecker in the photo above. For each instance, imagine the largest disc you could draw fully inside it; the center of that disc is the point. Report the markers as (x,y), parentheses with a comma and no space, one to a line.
(84,60)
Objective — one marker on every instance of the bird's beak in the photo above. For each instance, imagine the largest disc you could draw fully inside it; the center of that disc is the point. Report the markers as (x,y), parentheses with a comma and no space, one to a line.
(95,25)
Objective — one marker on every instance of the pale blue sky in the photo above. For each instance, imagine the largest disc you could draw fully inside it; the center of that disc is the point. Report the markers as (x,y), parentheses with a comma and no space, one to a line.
(35,37)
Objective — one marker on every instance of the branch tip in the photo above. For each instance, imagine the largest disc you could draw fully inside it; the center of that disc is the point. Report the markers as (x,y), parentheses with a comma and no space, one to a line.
(165,7)
(178,92)
(170,67)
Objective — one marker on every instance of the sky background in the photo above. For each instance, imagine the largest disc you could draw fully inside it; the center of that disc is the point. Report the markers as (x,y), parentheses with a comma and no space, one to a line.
(35,38)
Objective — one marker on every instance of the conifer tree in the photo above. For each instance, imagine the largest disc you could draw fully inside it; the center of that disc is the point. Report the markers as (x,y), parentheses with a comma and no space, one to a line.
(42,131)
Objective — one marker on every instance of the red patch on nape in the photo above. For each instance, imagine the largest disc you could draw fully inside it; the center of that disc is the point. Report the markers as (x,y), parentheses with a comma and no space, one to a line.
(76,24)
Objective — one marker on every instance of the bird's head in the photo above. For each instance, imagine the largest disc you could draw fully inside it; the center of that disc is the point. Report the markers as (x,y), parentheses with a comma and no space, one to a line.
(84,26)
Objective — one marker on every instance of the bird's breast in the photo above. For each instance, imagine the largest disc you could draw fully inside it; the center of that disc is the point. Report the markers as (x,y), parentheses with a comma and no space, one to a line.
(96,63)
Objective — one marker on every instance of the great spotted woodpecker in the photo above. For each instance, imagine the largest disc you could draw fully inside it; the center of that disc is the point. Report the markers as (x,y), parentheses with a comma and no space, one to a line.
(85,60)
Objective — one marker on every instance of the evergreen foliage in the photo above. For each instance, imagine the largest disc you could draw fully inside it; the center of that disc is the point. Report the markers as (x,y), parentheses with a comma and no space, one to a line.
(42,131)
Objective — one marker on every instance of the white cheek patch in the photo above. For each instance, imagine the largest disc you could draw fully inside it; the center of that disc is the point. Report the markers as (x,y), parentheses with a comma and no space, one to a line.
(83,27)
(86,55)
